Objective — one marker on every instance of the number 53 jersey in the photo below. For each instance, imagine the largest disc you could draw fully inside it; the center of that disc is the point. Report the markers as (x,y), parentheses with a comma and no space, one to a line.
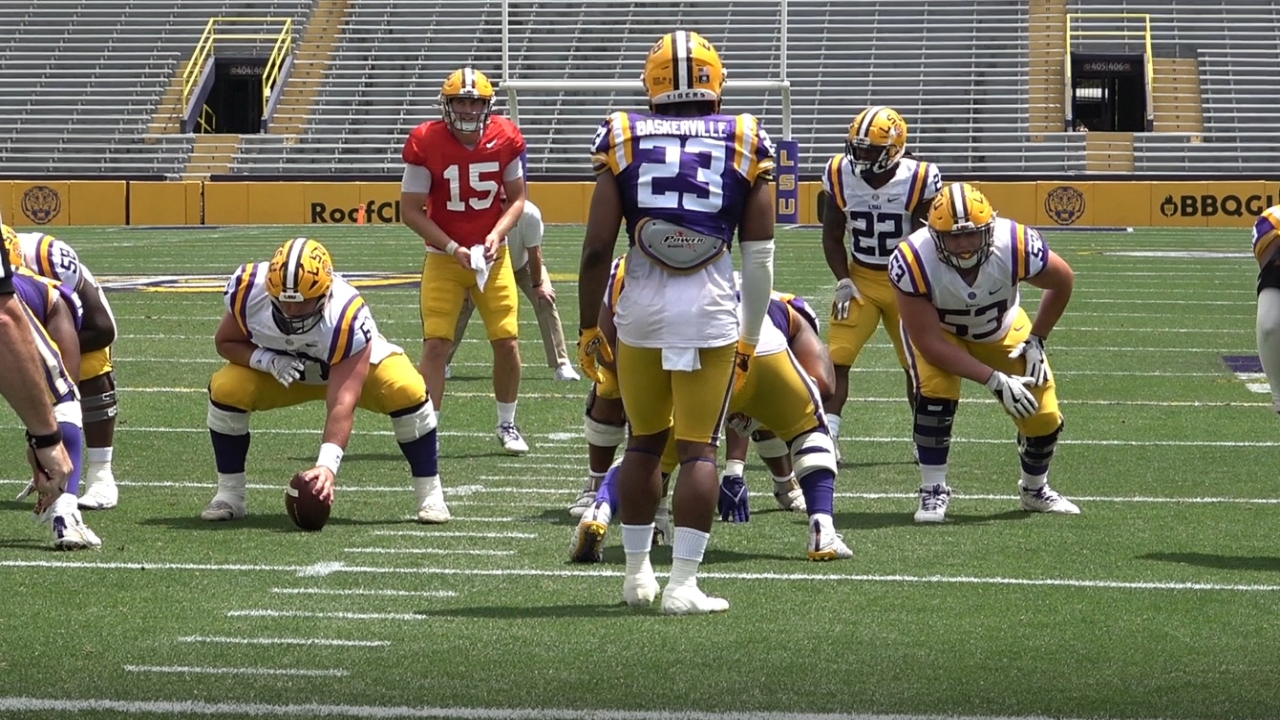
(684,182)
(982,312)
(346,328)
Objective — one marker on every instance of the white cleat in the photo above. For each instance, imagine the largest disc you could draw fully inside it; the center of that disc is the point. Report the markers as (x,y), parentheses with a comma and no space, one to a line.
(689,600)
(933,504)
(223,508)
(584,501)
(433,511)
(1046,500)
(566,373)
(512,441)
(70,532)
(640,590)
(791,500)
(587,544)
(825,544)
(100,495)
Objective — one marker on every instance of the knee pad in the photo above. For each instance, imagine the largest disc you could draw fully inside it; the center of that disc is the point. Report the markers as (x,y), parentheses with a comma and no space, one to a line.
(102,406)
(603,435)
(813,451)
(227,420)
(1039,450)
(68,412)
(771,448)
(933,421)
(413,423)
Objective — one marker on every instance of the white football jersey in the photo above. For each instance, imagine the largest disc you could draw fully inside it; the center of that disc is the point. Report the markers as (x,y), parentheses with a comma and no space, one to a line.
(346,328)
(52,258)
(775,332)
(877,219)
(981,312)
(526,234)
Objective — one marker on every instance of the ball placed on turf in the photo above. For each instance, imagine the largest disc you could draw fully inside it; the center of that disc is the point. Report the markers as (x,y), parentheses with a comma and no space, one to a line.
(304,508)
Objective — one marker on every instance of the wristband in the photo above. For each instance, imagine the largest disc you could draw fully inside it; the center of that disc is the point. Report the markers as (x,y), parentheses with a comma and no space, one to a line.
(330,457)
(452,247)
(40,442)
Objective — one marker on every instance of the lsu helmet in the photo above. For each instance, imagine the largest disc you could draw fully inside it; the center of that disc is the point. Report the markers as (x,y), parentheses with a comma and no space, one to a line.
(301,270)
(683,67)
(12,246)
(877,139)
(466,83)
(961,209)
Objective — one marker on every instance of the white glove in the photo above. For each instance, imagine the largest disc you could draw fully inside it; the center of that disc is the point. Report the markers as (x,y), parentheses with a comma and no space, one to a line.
(1037,361)
(846,294)
(284,368)
(1013,392)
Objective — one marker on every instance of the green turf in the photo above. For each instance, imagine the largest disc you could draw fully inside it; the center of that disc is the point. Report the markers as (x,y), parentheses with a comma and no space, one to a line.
(994,613)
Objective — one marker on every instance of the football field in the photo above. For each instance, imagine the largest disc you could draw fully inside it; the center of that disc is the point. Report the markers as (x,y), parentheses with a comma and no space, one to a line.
(1158,601)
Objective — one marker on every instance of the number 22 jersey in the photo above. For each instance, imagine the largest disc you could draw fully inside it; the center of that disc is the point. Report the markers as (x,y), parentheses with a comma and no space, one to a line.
(684,182)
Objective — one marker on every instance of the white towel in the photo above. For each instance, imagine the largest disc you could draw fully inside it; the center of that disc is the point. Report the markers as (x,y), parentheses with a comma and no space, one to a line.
(680,359)
(480,267)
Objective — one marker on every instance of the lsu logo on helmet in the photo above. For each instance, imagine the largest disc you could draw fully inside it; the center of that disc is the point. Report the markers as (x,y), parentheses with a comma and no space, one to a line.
(466,83)
(877,139)
(300,271)
(960,210)
(12,246)
(683,66)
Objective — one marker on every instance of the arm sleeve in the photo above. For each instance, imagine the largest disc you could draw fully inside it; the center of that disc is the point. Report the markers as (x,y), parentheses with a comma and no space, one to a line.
(513,171)
(757,288)
(416,179)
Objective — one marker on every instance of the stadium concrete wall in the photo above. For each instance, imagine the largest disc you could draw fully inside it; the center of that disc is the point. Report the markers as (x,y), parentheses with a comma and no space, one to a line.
(58,203)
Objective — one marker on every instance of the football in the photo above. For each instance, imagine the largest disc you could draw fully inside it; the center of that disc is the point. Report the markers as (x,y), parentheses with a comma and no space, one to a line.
(304,508)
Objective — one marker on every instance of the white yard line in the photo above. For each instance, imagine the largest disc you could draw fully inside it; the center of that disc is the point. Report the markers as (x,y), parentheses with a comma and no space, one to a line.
(377,593)
(258,613)
(456,533)
(189,670)
(283,641)
(425,551)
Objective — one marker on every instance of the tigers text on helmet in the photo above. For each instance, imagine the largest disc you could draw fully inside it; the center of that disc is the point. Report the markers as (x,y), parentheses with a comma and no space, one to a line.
(683,67)
(877,139)
(961,210)
(300,271)
(471,84)
(12,246)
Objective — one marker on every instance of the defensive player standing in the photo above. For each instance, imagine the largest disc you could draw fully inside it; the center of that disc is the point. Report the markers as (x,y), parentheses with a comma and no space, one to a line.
(876,197)
(462,192)
(684,178)
(957,285)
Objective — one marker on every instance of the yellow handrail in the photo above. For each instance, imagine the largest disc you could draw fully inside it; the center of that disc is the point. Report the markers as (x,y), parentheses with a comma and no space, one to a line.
(211,124)
(1148,58)
(280,51)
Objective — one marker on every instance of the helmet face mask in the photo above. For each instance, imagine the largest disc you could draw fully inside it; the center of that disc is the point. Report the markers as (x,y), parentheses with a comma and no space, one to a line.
(299,282)
(962,224)
(472,90)
(964,249)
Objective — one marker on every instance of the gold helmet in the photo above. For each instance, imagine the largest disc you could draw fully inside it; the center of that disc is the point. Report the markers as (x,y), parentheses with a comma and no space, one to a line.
(301,270)
(961,209)
(466,83)
(877,139)
(682,67)
(12,246)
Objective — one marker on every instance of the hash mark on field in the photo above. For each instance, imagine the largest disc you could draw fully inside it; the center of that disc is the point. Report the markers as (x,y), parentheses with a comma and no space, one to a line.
(458,533)
(320,569)
(188,670)
(425,551)
(381,593)
(284,641)
(324,615)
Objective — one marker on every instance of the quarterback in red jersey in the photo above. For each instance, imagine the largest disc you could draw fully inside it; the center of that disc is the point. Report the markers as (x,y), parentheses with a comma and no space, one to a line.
(462,192)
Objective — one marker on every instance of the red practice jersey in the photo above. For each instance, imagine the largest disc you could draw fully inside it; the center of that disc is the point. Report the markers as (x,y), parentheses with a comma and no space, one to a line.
(465,198)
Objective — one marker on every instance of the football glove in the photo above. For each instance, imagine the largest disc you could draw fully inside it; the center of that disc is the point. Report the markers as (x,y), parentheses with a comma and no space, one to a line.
(592,344)
(1013,393)
(846,294)
(284,368)
(742,364)
(1037,362)
(733,499)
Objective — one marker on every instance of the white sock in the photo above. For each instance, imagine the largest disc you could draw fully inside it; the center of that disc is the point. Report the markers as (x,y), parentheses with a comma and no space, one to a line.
(636,541)
(99,456)
(1034,482)
(428,487)
(931,475)
(65,504)
(98,465)
(833,426)
(686,556)
(1268,335)
(824,520)
(593,481)
(231,484)
(734,467)
(506,413)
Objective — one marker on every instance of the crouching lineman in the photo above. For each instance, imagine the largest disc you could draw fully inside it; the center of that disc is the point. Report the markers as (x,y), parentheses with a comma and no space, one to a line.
(52,258)
(1266,229)
(295,332)
(957,287)
(54,316)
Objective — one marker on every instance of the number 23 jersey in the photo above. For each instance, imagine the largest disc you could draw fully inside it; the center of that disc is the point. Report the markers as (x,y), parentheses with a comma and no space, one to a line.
(346,328)
(984,311)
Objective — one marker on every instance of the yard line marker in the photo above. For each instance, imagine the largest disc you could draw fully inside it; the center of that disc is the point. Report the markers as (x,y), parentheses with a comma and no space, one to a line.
(324,615)
(425,551)
(189,670)
(284,641)
(456,533)
(320,569)
(379,593)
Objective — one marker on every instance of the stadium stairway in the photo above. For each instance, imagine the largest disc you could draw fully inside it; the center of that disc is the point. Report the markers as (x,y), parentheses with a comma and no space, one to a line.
(1108,152)
(1175,95)
(211,153)
(1047,28)
(310,61)
(167,118)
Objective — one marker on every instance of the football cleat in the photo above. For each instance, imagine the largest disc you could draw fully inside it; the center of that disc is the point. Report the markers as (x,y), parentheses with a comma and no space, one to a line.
(223,508)
(1046,500)
(663,530)
(433,511)
(933,504)
(789,496)
(825,543)
(448,372)
(100,495)
(512,441)
(587,545)
(585,498)
(641,589)
(566,373)
(689,600)
(70,532)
